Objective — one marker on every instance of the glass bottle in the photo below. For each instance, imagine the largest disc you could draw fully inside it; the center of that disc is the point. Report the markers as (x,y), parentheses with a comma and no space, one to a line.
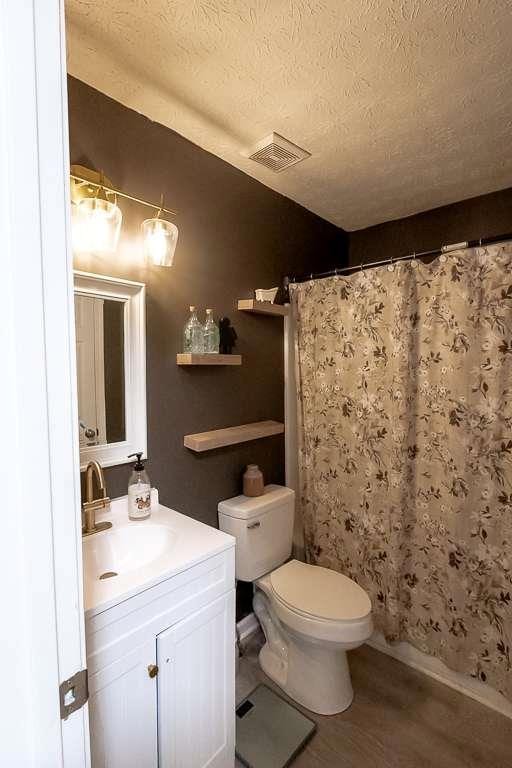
(197,336)
(193,334)
(211,334)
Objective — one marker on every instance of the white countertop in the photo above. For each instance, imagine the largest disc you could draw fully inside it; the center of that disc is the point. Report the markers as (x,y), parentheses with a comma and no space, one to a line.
(143,552)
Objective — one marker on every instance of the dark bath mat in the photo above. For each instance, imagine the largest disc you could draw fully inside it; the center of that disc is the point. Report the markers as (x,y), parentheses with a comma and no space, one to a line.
(269,731)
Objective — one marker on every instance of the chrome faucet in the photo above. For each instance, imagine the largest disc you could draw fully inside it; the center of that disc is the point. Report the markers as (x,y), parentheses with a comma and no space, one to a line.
(91,505)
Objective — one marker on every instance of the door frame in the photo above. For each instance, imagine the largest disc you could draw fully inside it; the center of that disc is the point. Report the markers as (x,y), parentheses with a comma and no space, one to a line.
(40,543)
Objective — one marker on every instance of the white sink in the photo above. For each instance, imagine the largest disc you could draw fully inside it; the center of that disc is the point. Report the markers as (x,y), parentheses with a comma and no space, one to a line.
(136,554)
(126,548)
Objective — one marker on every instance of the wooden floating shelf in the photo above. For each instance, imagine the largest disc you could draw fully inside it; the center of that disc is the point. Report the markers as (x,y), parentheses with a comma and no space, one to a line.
(218,438)
(191,358)
(262,307)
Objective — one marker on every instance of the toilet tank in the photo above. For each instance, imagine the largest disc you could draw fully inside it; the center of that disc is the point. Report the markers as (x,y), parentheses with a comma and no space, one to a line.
(263,529)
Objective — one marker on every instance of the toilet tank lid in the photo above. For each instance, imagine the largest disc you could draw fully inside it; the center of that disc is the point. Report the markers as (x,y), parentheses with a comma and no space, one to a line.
(246,507)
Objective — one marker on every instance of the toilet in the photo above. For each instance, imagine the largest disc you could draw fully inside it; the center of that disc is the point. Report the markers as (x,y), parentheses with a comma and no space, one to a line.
(311,616)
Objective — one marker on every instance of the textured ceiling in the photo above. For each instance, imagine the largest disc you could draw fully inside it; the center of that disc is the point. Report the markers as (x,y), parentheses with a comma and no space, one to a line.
(405,105)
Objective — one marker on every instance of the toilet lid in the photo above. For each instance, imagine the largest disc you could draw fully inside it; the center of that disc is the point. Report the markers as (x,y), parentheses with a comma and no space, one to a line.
(320,592)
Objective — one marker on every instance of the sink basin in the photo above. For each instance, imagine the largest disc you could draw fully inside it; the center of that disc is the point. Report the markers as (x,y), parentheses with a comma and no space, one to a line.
(126,548)
(135,555)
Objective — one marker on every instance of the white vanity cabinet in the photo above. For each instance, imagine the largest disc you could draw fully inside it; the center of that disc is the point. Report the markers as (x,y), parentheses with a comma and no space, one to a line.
(182,628)
(123,712)
(195,706)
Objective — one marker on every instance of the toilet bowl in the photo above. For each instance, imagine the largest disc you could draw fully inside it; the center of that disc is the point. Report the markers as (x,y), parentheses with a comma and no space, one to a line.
(311,616)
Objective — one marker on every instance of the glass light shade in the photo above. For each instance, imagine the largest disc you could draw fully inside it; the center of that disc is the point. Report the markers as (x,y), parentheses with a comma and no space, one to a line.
(96,226)
(160,238)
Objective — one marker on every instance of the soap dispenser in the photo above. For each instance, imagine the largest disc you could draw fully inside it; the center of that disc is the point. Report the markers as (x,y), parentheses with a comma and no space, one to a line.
(139,491)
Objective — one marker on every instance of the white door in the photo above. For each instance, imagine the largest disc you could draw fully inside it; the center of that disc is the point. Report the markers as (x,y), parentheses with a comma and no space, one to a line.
(40,545)
(122,712)
(196,689)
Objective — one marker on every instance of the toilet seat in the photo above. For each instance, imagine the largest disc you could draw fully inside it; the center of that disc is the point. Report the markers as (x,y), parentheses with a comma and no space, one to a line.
(319,592)
(319,603)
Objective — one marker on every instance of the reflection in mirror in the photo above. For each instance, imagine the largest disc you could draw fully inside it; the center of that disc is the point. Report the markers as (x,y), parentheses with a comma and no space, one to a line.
(100,369)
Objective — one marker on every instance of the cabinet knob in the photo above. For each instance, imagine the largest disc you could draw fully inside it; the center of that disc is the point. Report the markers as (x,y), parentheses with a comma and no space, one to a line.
(152,670)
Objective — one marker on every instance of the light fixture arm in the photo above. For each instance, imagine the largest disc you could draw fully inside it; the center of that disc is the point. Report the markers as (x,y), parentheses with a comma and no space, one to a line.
(100,187)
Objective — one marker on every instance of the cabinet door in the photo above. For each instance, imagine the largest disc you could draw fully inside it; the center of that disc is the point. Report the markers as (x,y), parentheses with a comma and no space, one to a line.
(196,689)
(123,712)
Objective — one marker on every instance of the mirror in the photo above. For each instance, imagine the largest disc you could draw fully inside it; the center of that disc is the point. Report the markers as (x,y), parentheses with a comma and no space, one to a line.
(110,365)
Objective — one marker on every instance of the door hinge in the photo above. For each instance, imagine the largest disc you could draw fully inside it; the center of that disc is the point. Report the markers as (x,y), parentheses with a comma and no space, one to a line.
(73,693)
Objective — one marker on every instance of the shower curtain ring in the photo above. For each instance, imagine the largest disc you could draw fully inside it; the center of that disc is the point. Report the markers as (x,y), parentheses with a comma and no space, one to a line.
(390,265)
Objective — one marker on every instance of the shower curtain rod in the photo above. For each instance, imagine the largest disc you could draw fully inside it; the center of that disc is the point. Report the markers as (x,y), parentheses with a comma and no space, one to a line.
(419,255)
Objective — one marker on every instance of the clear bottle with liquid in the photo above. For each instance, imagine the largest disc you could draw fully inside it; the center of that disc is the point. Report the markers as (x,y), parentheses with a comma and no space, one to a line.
(139,491)
(193,334)
(211,334)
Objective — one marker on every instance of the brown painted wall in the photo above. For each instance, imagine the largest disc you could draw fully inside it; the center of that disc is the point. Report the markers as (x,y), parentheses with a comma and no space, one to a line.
(235,235)
(483,216)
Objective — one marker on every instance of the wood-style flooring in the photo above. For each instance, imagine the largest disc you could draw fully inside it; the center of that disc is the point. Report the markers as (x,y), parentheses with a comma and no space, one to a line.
(399,718)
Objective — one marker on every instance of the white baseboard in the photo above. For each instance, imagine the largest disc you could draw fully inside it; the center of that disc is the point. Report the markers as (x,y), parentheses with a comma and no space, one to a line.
(435,668)
(247,626)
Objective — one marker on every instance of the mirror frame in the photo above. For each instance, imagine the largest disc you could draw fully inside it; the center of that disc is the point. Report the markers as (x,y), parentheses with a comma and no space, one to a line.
(134,297)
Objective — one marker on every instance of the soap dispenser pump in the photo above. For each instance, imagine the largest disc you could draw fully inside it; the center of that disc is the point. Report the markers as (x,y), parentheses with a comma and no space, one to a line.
(139,491)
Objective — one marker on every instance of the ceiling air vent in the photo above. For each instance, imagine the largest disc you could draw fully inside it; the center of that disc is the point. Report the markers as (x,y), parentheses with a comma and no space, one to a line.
(277,153)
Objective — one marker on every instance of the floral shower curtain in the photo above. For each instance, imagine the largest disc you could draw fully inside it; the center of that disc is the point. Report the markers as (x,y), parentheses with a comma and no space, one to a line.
(405,448)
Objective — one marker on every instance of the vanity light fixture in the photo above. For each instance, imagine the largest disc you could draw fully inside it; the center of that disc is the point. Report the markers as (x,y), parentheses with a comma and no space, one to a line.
(160,238)
(96,222)
(96,219)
